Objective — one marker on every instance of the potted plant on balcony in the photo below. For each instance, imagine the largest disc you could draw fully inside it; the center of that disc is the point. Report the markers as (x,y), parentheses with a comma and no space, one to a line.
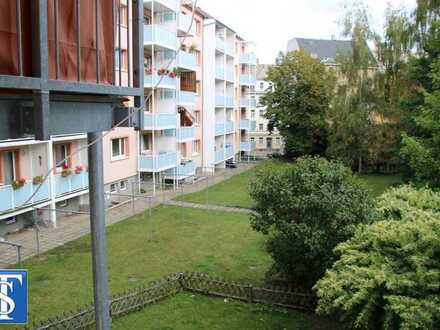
(192,48)
(79,169)
(67,171)
(172,74)
(37,180)
(17,184)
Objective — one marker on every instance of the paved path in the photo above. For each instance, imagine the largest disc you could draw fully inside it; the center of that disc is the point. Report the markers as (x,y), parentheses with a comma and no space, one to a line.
(73,227)
(209,207)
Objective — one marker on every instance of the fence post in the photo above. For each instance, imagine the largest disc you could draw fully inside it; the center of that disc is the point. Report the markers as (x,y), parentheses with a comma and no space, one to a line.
(250,293)
(133,198)
(19,255)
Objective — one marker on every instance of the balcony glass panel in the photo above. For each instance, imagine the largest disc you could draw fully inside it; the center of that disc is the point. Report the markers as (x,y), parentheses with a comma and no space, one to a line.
(160,36)
(160,121)
(71,183)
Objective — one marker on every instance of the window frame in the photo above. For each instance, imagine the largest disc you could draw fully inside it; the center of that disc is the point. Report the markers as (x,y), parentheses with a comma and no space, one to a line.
(123,153)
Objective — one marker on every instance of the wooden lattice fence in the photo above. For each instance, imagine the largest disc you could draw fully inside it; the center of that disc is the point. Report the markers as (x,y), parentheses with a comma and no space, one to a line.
(139,298)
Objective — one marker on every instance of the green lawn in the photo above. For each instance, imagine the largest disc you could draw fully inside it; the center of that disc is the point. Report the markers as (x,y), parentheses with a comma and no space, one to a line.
(221,244)
(194,312)
(232,192)
(378,184)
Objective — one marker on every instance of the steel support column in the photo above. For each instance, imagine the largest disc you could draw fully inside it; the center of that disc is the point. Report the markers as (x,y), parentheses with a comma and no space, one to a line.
(97,226)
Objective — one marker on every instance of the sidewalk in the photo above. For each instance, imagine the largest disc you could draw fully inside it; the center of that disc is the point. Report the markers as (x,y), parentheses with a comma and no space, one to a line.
(209,207)
(73,227)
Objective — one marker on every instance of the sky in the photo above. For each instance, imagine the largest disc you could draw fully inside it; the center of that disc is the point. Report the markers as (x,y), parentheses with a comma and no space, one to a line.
(271,23)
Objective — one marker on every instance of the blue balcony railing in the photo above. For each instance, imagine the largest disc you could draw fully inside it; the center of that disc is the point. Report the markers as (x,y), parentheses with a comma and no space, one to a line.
(11,199)
(186,25)
(220,73)
(157,81)
(186,133)
(157,162)
(187,60)
(248,80)
(219,129)
(248,103)
(170,4)
(248,146)
(229,127)
(229,101)
(248,58)
(229,49)
(157,35)
(229,75)
(220,45)
(183,170)
(160,121)
(187,98)
(229,152)
(70,184)
(245,124)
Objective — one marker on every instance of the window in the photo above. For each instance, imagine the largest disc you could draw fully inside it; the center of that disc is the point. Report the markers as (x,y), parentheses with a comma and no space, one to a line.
(9,167)
(278,141)
(252,114)
(124,15)
(196,147)
(61,153)
(269,143)
(123,54)
(252,139)
(197,117)
(260,140)
(261,127)
(118,149)
(261,85)
(113,188)
(261,113)
(123,185)
(146,143)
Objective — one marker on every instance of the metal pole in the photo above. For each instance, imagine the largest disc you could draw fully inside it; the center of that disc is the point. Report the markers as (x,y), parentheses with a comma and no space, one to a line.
(97,226)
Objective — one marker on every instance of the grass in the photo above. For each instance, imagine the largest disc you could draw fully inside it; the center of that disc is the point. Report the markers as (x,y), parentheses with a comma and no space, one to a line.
(378,184)
(194,312)
(232,192)
(221,244)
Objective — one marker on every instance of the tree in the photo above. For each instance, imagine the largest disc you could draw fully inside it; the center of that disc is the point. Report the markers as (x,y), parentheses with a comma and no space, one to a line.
(388,275)
(354,114)
(306,209)
(298,103)
(421,145)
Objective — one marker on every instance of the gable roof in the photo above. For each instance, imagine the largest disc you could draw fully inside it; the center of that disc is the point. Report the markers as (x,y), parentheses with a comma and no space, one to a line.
(324,50)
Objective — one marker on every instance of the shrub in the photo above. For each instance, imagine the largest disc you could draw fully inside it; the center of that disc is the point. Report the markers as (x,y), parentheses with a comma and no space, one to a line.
(308,208)
(398,203)
(387,276)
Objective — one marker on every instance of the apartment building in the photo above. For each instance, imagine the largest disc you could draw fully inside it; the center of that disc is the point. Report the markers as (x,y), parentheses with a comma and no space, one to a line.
(228,81)
(200,76)
(265,142)
(82,98)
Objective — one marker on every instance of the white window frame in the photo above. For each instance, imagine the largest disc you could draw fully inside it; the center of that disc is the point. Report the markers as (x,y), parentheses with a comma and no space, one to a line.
(122,151)
(60,168)
(115,190)
(14,166)
(123,185)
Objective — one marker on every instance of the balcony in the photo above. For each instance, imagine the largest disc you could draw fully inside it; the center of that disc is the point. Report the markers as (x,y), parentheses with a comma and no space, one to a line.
(222,101)
(224,154)
(248,58)
(248,103)
(71,184)
(185,26)
(220,45)
(187,98)
(245,124)
(160,121)
(229,127)
(229,152)
(157,162)
(156,81)
(248,146)
(186,134)
(248,80)
(158,36)
(165,4)
(15,198)
(183,170)
(219,129)
(187,61)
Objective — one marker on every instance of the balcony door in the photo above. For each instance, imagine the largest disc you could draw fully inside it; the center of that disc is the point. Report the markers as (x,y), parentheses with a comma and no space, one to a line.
(9,167)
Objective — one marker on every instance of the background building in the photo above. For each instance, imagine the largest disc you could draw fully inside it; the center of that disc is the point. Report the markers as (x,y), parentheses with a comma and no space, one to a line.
(266,142)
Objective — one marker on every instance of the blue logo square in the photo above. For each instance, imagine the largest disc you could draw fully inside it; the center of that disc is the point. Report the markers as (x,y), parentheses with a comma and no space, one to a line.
(13,296)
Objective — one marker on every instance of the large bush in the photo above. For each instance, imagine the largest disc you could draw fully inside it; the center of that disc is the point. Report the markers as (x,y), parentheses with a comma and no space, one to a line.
(307,209)
(388,274)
